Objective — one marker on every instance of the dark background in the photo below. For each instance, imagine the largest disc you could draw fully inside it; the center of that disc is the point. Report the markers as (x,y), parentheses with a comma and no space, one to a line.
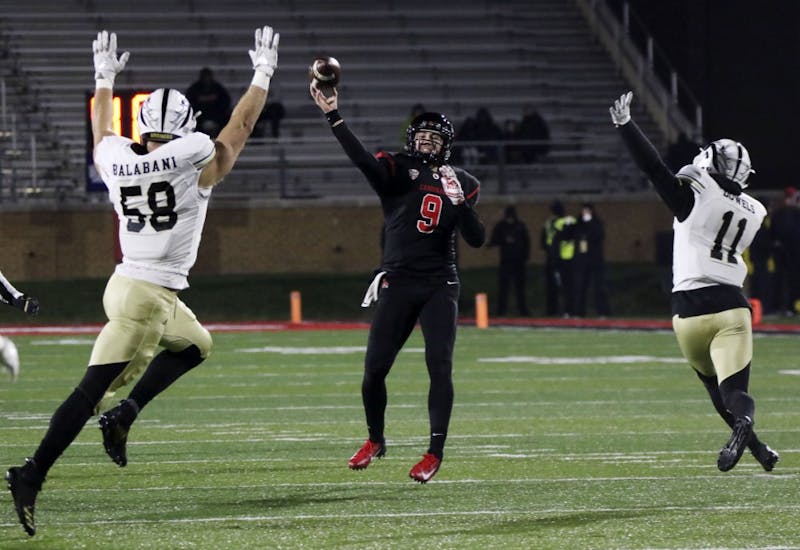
(742,60)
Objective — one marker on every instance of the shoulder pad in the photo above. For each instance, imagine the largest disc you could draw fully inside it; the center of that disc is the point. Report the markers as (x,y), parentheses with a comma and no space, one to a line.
(114,141)
(196,148)
(692,173)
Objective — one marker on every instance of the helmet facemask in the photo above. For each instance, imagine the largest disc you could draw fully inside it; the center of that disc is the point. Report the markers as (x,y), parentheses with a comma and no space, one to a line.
(435,123)
(165,115)
(726,158)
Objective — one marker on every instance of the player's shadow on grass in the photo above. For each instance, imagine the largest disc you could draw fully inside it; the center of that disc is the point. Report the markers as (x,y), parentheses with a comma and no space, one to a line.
(288,498)
(539,524)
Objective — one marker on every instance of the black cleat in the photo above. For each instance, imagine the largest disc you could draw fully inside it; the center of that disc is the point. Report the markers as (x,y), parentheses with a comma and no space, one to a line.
(766,457)
(25,482)
(733,449)
(115,424)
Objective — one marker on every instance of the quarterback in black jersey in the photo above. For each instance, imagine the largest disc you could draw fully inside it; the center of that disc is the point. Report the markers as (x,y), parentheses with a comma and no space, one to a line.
(426,203)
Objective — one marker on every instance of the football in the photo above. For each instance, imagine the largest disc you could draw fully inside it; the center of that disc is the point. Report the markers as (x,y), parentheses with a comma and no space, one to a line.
(327,72)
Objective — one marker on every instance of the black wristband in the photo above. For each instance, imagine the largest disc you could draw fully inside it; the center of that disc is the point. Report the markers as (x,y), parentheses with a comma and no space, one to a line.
(333,117)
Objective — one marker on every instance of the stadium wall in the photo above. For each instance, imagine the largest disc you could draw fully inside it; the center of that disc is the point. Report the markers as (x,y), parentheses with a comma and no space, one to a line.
(289,238)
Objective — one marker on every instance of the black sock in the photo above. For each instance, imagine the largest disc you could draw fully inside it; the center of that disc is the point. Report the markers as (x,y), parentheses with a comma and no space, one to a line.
(436,447)
(70,417)
(373,394)
(65,425)
(710,383)
(440,406)
(162,372)
(734,394)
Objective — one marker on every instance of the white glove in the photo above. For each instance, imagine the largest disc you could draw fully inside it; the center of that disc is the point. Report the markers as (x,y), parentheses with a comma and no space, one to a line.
(265,56)
(451,185)
(621,111)
(371,295)
(106,63)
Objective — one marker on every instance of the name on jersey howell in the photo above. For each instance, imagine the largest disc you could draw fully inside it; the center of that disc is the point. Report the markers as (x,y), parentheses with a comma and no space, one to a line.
(144,167)
(738,199)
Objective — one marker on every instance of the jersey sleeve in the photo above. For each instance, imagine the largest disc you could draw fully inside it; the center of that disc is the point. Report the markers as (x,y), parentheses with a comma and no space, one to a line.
(377,170)
(197,148)
(469,223)
(105,153)
(677,196)
(470,185)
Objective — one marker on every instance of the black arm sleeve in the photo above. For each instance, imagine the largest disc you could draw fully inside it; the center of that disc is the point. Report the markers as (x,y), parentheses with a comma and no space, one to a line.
(678,197)
(377,173)
(470,226)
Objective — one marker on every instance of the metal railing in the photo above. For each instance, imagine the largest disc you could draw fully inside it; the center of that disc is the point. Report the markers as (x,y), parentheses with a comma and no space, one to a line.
(669,98)
(307,168)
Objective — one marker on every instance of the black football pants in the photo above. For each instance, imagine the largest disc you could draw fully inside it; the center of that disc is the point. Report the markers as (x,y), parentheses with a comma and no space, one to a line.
(399,306)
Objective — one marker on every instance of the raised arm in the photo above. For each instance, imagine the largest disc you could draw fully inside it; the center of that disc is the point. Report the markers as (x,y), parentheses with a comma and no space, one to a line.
(678,197)
(106,67)
(377,173)
(232,138)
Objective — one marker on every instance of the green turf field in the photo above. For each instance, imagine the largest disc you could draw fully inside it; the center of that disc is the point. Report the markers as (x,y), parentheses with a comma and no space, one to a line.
(559,439)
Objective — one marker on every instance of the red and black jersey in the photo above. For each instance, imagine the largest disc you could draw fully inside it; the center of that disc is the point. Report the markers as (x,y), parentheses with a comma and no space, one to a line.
(421,223)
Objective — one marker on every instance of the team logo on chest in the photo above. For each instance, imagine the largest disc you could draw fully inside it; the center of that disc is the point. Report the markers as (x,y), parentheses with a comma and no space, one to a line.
(413,173)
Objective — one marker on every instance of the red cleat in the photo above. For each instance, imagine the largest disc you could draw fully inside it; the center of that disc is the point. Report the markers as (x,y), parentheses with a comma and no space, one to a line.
(365,454)
(425,469)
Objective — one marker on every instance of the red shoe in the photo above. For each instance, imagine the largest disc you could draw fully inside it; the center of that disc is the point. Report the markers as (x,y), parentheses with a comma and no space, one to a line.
(425,469)
(365,454)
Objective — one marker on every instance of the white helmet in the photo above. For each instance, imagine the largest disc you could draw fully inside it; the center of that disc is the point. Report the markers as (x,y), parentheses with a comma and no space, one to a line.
(166,114)
(727,158)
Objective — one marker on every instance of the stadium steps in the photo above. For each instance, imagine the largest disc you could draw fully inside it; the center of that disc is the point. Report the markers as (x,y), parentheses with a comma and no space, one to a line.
(456,59)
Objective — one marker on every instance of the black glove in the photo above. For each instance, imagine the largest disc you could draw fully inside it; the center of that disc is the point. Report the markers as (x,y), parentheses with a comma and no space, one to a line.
(28,304)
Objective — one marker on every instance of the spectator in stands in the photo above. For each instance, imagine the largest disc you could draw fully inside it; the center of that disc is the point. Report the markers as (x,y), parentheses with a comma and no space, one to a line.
(510,234)
(212,100)
(785,231)
(514,152)
(271,116)
(486,129)
(533,127)
(466,152)
(161,196)
(762,264)
(557,242)
(663,259)
(590,266)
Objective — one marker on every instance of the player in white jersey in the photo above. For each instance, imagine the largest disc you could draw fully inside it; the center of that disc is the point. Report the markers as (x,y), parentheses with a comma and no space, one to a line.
(160,190)
(9,357)
(715,221)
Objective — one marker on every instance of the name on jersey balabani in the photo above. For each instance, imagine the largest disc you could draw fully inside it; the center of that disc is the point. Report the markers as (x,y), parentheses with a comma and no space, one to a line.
(144,167)
(740,201)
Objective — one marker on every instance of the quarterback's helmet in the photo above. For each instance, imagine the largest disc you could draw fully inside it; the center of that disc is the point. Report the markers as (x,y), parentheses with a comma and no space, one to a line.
(166,114)
(727,158)
(431,122)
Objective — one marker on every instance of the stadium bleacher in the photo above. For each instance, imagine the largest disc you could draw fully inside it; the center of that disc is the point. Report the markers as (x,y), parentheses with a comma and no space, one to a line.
(453,56)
